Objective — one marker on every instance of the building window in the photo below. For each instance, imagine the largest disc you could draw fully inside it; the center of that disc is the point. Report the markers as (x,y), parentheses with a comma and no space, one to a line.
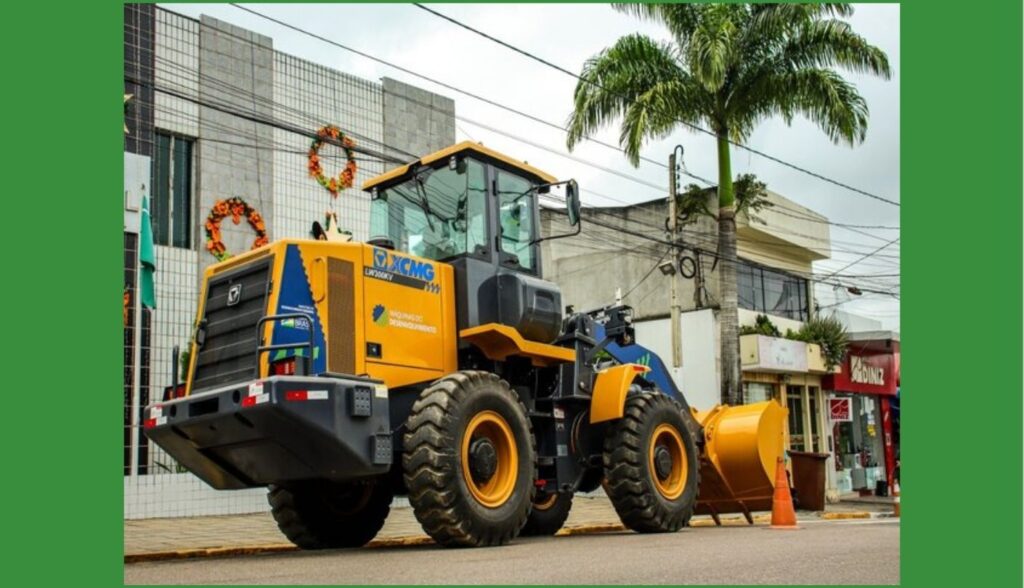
(171,200)
(757,392)
(769,291)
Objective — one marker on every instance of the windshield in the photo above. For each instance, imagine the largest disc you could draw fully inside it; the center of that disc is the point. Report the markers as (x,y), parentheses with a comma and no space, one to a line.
(437,214)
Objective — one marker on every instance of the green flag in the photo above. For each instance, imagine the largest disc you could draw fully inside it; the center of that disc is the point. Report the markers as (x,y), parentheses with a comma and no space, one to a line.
(147,257)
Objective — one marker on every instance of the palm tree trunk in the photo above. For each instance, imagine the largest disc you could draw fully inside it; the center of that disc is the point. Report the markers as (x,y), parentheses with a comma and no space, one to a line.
(728,315)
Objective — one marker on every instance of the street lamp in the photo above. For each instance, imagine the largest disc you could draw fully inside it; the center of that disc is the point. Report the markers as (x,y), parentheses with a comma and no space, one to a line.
(668,268)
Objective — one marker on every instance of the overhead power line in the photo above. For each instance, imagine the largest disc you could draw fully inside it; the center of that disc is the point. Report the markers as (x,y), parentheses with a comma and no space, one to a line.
(691,125)
(238,93)
(506,108)
(860,259)
(300,131)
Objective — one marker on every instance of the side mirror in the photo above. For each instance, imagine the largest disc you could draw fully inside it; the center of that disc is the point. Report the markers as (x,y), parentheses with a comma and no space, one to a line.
(572,202)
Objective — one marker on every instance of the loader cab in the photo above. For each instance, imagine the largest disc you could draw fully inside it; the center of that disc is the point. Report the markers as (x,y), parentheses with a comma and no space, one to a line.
(477,210)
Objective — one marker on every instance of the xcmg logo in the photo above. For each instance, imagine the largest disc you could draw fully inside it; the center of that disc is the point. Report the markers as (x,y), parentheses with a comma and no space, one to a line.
(403,266)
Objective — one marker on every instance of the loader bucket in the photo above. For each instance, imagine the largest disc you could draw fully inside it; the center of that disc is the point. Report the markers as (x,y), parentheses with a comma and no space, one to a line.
(737,467)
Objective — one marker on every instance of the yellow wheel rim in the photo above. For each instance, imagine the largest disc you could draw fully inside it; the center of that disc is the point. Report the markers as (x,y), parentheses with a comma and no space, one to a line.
(494,492)
(666,436)
(546,502)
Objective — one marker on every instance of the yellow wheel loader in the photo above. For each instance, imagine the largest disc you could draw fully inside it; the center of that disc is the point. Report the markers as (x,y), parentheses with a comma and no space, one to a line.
(433,361)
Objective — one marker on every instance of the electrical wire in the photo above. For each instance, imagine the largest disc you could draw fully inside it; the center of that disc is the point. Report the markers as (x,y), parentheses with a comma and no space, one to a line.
(647,275)
(305,133)
(691,125)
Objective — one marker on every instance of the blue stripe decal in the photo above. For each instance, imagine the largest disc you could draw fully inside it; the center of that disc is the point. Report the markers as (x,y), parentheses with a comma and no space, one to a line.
(637,353)
(297,296)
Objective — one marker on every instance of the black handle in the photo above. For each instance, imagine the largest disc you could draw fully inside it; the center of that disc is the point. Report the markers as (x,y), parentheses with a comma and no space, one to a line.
(307,359)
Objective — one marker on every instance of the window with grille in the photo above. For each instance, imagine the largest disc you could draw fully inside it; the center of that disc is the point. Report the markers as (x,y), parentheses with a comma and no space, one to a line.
(170,205)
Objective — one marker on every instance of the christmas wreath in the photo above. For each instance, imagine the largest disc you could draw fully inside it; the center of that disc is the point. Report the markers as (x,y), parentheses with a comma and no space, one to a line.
(348,175)
(236,208)
(127,304)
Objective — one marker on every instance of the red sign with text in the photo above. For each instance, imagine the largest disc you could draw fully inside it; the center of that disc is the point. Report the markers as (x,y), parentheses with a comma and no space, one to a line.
(866,374)
(839,409)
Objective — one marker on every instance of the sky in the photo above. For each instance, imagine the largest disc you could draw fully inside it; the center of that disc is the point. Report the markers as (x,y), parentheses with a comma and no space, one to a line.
(567,35)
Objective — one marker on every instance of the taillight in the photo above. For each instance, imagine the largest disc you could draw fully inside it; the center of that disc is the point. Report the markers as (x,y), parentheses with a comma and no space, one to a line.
(301,395)
(283,367)
(254,400)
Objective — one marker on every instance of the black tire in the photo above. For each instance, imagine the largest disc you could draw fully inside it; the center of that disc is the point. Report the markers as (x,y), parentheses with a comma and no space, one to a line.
(439,491)
(646,501)
(547,515)
(326,515)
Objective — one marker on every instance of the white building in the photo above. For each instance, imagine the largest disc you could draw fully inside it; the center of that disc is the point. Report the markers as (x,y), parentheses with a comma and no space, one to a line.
(216,113)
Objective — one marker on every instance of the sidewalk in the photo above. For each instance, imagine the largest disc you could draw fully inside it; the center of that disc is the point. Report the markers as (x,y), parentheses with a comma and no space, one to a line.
(151,539)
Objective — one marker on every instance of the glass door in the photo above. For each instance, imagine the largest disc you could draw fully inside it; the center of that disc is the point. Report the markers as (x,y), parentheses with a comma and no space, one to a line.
(795,404)
(813,416)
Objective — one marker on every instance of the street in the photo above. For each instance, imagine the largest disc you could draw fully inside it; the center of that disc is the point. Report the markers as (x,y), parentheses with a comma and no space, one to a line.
(820,552)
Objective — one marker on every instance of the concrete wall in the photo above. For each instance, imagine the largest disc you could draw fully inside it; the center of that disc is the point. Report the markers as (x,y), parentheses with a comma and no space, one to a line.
(854,322)
(310,96)
(177,74)
(237,76)
(591,266)
(784,235)
(698,376)
(416,121)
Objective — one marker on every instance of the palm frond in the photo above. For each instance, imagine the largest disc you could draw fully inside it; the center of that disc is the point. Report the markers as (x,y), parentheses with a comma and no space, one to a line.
(612,81)
(657,111)
(824,97)
(712,44)
(829,43)
(680,19)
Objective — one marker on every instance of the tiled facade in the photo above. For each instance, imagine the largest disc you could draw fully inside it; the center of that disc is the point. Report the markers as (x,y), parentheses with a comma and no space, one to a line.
(250,112)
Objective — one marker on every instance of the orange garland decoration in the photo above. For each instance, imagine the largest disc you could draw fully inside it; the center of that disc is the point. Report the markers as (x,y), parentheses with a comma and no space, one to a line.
(236,208)
(348,175)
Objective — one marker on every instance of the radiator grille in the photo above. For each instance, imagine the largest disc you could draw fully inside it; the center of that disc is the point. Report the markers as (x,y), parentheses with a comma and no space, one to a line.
(229,351)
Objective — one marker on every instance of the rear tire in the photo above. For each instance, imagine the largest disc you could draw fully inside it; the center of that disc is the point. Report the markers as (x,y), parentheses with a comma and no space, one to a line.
(325,515)
(548,515)
(469,460)
(651,465)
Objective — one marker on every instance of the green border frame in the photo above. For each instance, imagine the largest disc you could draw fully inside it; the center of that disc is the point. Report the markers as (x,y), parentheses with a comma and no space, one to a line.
(962,157)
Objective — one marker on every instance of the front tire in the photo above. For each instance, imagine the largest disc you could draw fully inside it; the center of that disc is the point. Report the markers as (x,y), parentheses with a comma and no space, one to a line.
(651,466)
(325,515)
(469,460)
(548,514)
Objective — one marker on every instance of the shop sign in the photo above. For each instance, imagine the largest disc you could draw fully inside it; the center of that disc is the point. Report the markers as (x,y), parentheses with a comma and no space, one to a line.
(863,372)
(839,409)
(868,374)
(779,355)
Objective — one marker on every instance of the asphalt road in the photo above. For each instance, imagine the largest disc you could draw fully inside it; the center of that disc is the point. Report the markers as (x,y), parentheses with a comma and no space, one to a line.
(826,552)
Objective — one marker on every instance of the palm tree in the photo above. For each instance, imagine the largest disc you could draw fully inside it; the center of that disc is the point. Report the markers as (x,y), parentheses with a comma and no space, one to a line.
(729,67)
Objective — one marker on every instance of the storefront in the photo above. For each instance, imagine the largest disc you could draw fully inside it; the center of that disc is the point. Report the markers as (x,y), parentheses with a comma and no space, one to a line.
(861,416)
(789,372)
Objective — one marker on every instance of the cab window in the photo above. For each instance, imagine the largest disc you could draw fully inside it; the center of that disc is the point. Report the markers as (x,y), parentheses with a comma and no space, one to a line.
(515,219)
(437,214)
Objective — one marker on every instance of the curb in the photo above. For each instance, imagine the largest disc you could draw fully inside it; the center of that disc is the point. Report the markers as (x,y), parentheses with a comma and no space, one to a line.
(407,541)
(415,540)
(839,516)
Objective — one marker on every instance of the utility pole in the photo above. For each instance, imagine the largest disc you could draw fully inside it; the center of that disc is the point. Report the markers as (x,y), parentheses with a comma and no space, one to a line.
(673,225)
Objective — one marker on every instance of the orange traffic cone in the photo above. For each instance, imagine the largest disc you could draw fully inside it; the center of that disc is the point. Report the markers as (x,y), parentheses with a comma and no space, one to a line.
(896,499)
(783,515)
